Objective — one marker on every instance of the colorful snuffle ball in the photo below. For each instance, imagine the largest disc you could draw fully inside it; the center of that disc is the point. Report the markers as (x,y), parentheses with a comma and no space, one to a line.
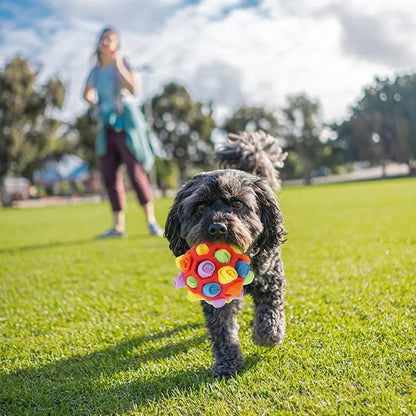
(214,272)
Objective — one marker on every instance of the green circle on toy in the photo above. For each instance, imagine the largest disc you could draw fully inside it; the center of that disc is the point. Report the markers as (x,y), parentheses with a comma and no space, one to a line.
(192,282)
(249,278)
(223,256)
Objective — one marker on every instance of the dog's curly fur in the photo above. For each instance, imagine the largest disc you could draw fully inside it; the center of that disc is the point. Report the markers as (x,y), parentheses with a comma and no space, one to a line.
(258,153)
(237,208)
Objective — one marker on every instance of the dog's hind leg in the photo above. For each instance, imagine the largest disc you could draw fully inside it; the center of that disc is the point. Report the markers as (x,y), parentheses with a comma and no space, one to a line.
(223,330)
(269,319)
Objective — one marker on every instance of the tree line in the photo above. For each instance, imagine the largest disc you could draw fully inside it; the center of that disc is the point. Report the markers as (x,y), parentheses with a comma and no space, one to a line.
(380,128)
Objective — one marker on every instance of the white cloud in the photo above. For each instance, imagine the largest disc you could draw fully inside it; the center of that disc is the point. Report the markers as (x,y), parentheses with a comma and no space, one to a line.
(230,55)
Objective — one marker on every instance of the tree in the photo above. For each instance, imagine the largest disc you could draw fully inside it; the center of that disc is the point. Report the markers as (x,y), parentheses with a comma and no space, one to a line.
(184,127)
(86,128)
(301,131)
(382,126)
(251,119)
(27,127)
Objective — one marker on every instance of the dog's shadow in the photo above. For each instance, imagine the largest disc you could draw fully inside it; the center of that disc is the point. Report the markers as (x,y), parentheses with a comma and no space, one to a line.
(79,385)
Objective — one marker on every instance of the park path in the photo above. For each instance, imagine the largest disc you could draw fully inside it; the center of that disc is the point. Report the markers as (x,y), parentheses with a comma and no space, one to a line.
(392,170)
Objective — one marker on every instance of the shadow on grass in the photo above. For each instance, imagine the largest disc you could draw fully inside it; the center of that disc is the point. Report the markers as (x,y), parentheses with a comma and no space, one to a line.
(51,244)
(70,243)
(93,239)
(94,383)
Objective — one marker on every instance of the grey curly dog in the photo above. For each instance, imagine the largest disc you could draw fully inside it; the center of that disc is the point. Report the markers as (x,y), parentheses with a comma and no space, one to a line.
(237,208)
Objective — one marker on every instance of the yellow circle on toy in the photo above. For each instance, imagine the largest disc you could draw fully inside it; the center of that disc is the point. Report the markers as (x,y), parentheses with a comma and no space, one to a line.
(194,297)
(202,249)
(227,274)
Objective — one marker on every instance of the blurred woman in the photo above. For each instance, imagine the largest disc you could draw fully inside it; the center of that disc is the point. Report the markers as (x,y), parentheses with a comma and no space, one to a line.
(122,132)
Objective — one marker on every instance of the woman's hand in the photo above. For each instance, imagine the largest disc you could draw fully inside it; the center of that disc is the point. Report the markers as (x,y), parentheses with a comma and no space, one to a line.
(118,59)
(90,96)
(128,80)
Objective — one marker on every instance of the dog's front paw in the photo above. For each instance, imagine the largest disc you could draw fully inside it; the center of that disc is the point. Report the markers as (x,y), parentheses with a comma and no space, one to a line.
(227,369)
(268,332)
(268,340)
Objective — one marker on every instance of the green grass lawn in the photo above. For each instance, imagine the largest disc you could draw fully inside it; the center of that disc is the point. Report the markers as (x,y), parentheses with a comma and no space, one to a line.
(96,327)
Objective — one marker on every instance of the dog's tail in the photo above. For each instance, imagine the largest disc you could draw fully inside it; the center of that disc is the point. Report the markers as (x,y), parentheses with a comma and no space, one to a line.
(257,153)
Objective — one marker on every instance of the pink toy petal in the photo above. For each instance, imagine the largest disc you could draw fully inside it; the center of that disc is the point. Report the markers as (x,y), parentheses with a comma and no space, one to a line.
(179,281)
(218,303)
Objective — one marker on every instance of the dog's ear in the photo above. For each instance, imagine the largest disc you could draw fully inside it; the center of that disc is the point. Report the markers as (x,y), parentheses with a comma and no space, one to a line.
(271,217)
(177,244)
(177,216)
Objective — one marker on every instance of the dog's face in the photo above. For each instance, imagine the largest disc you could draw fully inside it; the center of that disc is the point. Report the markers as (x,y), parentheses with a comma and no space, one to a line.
(230,206)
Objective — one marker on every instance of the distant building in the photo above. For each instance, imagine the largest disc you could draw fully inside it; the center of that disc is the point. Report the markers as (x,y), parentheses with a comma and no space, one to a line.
(15,189)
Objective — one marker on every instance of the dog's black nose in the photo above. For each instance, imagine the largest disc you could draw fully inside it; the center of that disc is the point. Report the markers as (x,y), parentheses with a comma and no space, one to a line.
(217,229)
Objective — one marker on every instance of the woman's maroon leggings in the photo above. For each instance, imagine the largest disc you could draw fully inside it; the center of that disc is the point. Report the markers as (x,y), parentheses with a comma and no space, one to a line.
(118,153)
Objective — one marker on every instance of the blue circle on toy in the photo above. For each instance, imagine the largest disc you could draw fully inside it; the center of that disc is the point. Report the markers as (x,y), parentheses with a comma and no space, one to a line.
(211,289)
(242,268)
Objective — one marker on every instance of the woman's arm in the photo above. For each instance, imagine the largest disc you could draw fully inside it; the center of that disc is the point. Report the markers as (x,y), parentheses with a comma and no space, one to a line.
(128,80)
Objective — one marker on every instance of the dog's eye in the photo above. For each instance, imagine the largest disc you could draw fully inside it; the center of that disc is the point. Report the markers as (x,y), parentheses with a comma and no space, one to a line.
(236,204)
(201,208)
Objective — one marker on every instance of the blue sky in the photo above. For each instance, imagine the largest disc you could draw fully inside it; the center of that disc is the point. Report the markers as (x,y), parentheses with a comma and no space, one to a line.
(233,52)
(23,11)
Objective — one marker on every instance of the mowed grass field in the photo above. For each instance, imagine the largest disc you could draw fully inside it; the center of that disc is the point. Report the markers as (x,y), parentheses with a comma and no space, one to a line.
(96,327)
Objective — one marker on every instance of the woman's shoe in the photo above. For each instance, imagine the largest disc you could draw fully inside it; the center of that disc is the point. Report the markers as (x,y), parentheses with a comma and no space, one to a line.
(111,233)
(155,229)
